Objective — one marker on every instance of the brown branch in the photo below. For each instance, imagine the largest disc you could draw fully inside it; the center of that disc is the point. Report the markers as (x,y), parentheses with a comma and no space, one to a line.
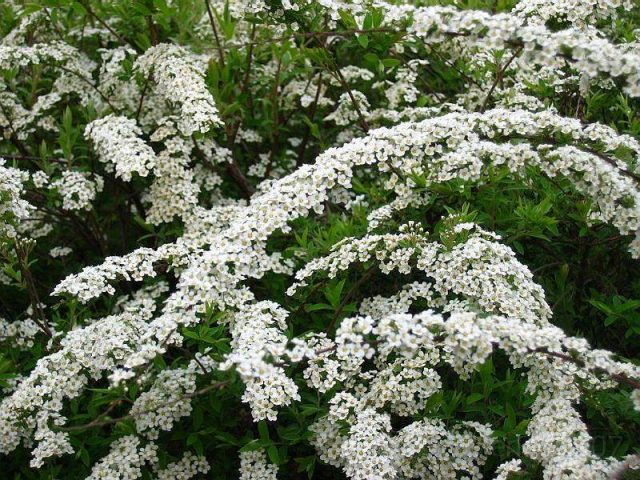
(242,182)
(626,172)
(307,133)
(101,423)
(39,317)
(275,135)
(215,33)
(499,76)
(363,123)
(612,162)
(618,377)
(142,95)
(308,35)
(451,65)
(153,31)
(90,83)
(243,88)
(90,11)
(232,169)
(21,147)
(32,158)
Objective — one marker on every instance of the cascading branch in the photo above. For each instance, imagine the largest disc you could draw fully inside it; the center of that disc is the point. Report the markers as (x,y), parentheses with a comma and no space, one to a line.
(320,239)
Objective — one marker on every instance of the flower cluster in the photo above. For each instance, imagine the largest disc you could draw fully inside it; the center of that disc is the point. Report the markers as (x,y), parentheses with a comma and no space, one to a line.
(117,142)
(257,332)
(13,208)
(185,469)
(178,76)
(78,189)
(125,460)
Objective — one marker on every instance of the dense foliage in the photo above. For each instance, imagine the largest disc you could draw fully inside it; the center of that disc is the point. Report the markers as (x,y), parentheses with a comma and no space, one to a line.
(324,239)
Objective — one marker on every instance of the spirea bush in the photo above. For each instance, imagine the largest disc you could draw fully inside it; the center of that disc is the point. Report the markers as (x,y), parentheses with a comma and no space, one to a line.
(328,239)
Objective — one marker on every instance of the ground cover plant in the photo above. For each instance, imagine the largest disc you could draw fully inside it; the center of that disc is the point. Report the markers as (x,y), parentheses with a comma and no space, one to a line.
(325,239)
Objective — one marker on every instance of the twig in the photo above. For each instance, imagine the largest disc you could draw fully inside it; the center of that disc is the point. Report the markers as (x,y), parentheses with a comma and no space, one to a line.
(620,378)
(499,75)
(240,179)
(142,95)
(90,11)
(312,112)
(243,88)
(101,423)
(345,86)
(32,158)
(90,83)
(232,169)
(452,65)
(275,135)
(321,34)
(215,33)
(39,317)
(153,31)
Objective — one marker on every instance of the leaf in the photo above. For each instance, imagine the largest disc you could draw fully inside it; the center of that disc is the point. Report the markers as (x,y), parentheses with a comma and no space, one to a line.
(367,24)
(347,19)
(263,430)
(256,444)
(317,307)
(474,397)
(272,452)
(391,62)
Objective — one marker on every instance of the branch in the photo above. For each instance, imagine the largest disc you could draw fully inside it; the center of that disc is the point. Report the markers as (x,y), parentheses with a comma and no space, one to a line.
(101,423)
(90,83)
(215,33)
(275,135)
(499,77)
(345,86)
(39,318)
(240,179)
(90,11)
(618,377)
(312,112)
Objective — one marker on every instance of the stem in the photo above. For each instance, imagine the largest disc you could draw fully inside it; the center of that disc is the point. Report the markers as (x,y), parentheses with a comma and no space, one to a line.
(618,377)
(90,11)
(39,318)
(215,33)
(101,423)
(142,95)
(499,75)
(90,83)
(275,117)
(345,86)
(312,112)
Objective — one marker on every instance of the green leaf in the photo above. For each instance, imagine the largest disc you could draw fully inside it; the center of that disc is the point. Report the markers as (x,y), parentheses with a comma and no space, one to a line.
(391,62)
(318,306)
(363,40)
(263,430)
(347,19)
(257,444)
(367,24)
(272,452)
(474,397)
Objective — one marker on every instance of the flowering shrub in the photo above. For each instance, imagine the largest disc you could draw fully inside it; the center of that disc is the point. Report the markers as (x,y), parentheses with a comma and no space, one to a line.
(289,239)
